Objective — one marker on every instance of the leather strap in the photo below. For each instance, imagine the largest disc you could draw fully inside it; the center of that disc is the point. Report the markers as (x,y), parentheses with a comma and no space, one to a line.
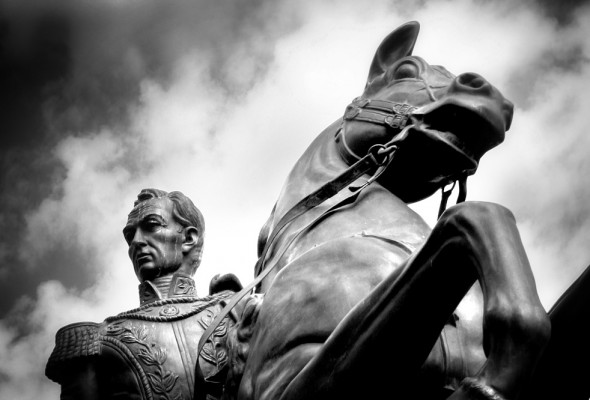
(376,157)
(381,112)
(384,112)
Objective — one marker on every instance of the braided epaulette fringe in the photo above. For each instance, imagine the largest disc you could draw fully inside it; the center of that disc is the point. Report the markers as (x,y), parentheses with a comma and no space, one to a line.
(73,341)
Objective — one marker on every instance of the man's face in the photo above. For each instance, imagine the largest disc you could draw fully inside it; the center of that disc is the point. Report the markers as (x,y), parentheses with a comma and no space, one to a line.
(154,239)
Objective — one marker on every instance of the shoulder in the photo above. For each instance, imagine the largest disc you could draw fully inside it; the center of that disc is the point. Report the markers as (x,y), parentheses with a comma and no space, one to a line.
(72,343)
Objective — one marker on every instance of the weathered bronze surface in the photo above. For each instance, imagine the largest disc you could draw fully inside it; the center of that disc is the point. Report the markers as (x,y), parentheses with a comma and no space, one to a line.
(351,279)
(563,370)
(150,352)
(360,282)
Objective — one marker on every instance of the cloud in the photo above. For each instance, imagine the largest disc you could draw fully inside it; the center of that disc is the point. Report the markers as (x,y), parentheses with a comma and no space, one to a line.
(541,171)
(23,357)
(80,69)
(218,100)
(544,160)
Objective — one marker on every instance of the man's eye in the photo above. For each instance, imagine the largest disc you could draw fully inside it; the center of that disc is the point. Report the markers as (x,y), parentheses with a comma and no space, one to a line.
(128,237)
(152,224)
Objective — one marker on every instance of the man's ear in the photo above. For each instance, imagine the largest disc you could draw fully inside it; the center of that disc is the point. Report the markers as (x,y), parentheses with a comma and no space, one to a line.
(190,238)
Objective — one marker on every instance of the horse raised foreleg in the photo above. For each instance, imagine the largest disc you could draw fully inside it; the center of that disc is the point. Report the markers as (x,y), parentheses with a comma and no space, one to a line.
(399,321)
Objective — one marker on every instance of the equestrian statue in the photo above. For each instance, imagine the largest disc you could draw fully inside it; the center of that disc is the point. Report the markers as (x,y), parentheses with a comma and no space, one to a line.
(356,296)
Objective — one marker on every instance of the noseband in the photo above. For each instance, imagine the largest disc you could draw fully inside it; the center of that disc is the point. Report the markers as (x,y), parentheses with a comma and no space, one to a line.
(394,116)
(382,112)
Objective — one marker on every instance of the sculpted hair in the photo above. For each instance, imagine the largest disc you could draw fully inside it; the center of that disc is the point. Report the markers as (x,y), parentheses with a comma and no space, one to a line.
(183,211)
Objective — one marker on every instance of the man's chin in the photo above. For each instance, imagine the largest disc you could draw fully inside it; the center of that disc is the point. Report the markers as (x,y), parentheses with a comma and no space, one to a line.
(149,271)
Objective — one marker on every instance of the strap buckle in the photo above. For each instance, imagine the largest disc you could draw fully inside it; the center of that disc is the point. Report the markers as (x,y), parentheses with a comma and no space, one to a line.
(381,153)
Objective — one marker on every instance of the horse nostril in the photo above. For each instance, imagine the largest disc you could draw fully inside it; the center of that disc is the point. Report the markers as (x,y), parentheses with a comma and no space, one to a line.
(471,80)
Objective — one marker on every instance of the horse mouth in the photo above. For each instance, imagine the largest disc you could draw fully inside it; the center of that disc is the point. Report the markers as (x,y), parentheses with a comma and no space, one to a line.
(465,130)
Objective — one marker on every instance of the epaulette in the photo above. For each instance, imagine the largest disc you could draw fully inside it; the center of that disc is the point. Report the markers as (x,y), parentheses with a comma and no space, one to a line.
(71,343)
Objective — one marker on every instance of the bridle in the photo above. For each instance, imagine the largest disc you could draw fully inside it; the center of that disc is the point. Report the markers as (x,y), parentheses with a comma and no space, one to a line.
(395,116)
(382,112)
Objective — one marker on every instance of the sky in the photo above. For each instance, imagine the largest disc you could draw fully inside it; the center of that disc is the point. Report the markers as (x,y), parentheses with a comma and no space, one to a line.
(218,99)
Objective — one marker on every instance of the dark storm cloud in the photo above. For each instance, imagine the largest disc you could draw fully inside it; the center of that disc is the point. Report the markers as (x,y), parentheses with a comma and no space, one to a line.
(33,55)
(564,10)
(74,67)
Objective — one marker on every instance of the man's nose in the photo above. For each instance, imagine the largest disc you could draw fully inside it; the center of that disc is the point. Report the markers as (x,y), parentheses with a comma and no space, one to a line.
(137,240)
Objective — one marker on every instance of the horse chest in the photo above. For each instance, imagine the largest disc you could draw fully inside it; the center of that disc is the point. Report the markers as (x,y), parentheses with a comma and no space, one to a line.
(312,294)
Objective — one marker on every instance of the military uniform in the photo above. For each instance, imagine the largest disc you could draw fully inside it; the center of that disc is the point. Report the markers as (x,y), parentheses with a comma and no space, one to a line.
(146,353)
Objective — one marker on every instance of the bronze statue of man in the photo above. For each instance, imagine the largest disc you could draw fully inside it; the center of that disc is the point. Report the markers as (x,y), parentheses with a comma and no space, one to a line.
(150,352)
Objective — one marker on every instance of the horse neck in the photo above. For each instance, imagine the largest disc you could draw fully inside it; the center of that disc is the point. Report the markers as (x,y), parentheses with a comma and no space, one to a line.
(318,165)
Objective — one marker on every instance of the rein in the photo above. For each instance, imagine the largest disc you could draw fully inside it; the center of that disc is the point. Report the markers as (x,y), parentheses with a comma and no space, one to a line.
(378,156)
(382,112)
(396,115)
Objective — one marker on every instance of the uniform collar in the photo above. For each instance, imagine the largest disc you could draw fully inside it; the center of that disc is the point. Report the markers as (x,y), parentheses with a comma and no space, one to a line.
(177,285)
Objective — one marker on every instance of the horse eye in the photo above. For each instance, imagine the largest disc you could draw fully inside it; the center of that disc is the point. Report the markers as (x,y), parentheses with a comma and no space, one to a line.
(407,70)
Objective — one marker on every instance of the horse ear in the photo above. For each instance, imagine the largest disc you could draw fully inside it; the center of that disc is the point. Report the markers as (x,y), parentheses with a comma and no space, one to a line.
(398,44)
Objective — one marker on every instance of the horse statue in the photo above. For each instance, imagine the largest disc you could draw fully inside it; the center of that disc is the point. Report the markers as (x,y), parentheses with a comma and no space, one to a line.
(361,298)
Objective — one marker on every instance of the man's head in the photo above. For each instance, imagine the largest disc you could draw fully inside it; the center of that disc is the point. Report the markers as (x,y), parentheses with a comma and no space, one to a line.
(165,233)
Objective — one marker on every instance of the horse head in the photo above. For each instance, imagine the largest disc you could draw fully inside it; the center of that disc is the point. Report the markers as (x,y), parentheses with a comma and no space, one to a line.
(441,124)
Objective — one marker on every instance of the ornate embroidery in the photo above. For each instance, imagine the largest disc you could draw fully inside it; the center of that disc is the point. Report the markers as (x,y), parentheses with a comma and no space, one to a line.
(150,355)
(214,350)
(147,293)
(184,286)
